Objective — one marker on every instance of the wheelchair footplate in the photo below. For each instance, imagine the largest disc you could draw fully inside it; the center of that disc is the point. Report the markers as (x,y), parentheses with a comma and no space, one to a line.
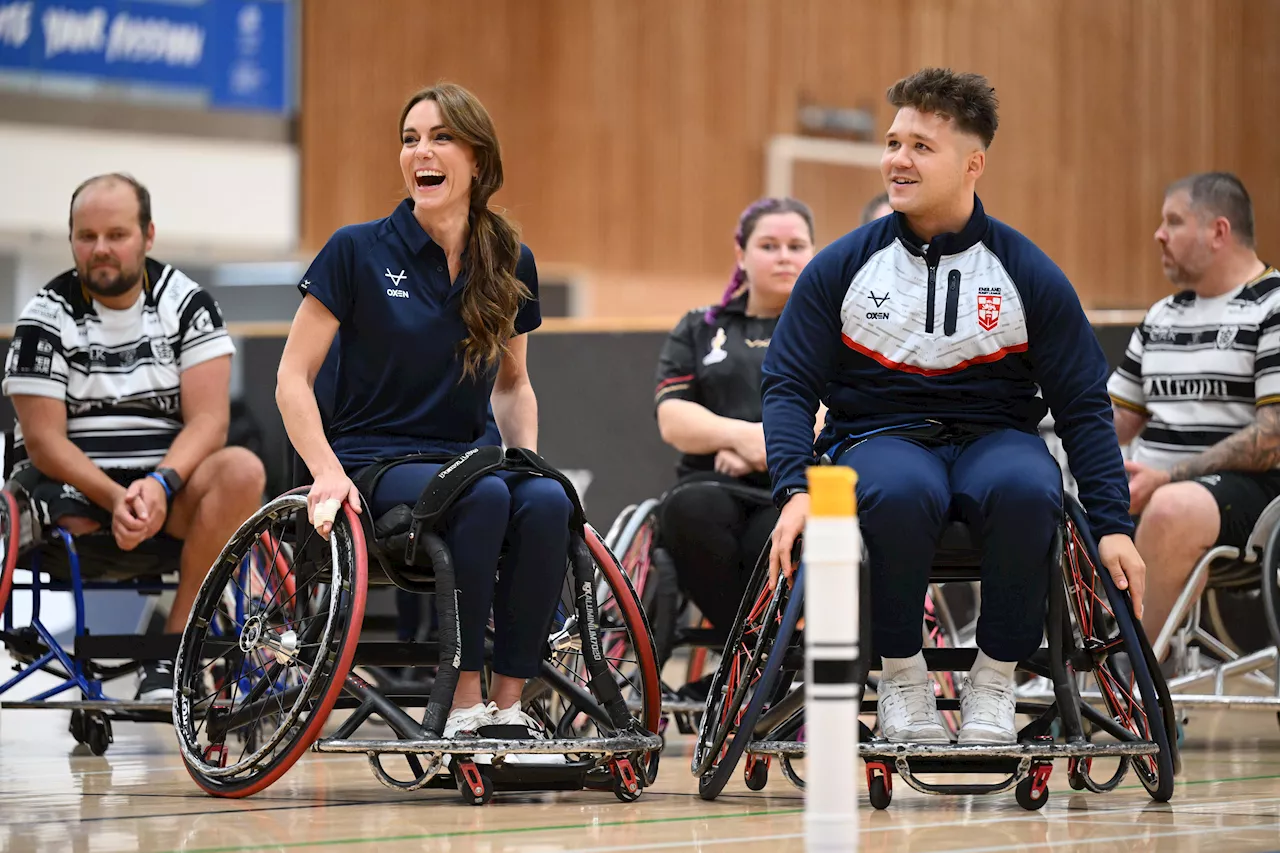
(480,766)
(1027,765)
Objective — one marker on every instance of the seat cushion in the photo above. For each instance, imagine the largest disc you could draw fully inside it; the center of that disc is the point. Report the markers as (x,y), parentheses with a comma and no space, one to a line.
(957,547)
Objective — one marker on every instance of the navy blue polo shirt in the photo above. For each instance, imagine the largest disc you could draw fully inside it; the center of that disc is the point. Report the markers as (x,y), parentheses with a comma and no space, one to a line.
(399,385)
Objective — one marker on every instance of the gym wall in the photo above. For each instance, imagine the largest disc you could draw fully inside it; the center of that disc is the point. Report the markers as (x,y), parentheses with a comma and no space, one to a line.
(634,133)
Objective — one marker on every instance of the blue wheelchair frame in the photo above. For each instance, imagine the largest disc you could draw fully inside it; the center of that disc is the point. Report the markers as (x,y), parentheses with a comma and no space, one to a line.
(43,652)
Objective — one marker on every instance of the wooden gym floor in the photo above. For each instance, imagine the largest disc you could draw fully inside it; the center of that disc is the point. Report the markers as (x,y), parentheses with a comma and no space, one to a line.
(55,796)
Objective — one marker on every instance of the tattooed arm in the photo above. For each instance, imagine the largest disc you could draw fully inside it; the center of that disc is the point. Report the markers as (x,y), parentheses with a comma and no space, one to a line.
(1254,448)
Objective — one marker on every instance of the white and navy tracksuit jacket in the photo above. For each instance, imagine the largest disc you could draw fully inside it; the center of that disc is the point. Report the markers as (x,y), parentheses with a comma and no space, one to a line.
(888,331)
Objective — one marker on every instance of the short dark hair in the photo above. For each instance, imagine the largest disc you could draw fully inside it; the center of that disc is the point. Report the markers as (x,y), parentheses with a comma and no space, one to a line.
(144,197)
(868,212)
(968,99)
(1220,194)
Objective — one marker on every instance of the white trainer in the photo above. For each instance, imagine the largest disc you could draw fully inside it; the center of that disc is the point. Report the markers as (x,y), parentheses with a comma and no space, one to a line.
(465,722)
(987,705)
(515,716)
(908,711)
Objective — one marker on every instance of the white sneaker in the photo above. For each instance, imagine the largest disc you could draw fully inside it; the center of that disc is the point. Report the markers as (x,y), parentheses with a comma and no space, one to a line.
(465,722)
(908,711)
(987,706)
(515,716)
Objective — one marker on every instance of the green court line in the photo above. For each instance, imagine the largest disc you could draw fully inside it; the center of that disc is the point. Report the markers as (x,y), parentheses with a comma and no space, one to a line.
(384,839)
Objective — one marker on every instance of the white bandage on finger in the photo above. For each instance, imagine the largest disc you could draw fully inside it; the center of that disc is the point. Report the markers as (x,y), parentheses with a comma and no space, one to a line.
(326,512)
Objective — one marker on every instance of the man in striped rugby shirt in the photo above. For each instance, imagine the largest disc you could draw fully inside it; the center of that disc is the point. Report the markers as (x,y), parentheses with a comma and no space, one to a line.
(120,372)
(1198,392)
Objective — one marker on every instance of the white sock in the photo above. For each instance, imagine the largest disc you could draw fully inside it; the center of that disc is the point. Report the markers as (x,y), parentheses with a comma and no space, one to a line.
(986,665)
(910,670)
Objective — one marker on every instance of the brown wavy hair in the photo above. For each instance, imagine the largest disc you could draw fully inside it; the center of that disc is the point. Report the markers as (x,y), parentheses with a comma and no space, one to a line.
(492,295)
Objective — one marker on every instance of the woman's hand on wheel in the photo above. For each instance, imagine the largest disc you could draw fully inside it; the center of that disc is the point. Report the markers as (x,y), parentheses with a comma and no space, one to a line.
(329,491)
(795,513)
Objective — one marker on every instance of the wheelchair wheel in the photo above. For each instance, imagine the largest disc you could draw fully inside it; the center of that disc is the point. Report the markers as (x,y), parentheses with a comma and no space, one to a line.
(1271,584)
(1110,636)
(623,642)
(268,646)
(752,638)
(772,686)
(9,532)
(634,541)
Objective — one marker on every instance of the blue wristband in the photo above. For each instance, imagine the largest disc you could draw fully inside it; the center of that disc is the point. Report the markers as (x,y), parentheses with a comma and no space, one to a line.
(160,479)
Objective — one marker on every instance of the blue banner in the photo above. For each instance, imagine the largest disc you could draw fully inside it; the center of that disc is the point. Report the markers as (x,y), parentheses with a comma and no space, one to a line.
(231,54)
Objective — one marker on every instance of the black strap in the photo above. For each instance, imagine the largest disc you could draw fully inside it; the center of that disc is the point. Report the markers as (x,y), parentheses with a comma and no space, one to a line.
(448,484)
(528,462)
(456,475)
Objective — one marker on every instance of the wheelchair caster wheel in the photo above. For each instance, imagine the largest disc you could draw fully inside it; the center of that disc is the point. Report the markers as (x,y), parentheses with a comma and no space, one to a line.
(626,785)
(879,785)
(881,793)
(76,726)
(757,774)
(1077,768)
(1033,792)
(97,733)
(473,783)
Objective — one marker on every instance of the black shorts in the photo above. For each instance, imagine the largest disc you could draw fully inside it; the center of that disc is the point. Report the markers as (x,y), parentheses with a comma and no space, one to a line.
(53,500)
(1241,498)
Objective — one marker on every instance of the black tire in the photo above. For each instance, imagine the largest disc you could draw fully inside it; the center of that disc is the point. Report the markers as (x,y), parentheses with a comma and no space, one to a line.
(1027,796)
(879,792)
(9,534)
(76,726)
(97,733)
(757,775)
(1271,584)
(744,730)
(623,792)
(628,654)
(1104,614)
(469,794)
(296,638)
(743,653)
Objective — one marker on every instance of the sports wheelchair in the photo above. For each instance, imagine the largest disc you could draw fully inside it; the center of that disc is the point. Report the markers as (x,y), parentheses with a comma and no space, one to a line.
(950,614)
(1205,648)
(756,703)
(273,678)
(58,562)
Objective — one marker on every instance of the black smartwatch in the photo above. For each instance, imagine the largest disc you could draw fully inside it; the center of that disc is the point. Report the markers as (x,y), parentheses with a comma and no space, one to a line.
(170,479)
(786,494)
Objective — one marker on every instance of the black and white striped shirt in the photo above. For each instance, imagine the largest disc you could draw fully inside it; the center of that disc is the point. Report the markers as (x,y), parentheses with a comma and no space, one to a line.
(118,371)
(1199,368)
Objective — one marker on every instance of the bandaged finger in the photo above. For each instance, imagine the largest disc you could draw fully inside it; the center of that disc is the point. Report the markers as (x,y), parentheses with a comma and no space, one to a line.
(325,512)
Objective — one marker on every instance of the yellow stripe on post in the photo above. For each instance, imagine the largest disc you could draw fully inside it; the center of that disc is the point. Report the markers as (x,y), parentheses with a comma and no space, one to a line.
(831,491)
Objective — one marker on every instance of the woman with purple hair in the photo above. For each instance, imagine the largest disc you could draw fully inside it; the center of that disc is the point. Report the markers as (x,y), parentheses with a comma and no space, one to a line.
(708,408)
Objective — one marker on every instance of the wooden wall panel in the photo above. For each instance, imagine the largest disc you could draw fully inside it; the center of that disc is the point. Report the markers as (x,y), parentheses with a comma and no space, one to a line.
(634,133)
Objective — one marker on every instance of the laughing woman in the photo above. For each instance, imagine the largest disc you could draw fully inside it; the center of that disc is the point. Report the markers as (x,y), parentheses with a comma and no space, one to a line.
(431,307)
